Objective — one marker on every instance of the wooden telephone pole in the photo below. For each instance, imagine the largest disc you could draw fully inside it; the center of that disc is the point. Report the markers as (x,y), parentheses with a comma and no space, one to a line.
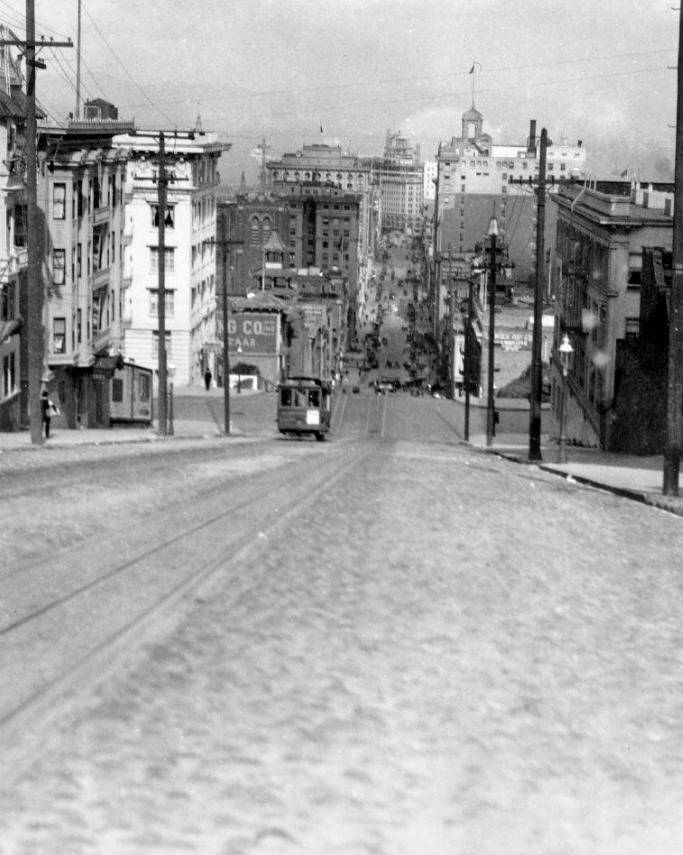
(162,188)
(674,412)
(36,290)
(536,376)
(226,244)
(536,391)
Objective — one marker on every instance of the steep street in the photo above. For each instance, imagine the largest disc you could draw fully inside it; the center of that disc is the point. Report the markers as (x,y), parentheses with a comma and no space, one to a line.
(422,649)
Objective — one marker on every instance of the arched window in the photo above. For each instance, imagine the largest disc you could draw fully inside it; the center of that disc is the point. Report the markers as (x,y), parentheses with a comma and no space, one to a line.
(254,232)
(267,228)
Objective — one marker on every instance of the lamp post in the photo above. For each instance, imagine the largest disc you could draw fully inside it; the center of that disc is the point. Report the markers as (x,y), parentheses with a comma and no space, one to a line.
(566,351)
(490,401)
(170,370)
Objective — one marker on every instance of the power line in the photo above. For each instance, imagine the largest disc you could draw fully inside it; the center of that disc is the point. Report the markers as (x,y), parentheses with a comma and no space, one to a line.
(444,95)
(65,73)
(125,70)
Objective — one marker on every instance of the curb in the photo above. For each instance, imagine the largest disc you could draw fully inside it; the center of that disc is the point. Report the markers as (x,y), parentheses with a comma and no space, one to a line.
(662,503)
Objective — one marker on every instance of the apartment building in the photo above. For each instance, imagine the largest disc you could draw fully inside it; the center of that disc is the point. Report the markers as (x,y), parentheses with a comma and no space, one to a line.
(602,228)
(13,260)
(80,190)
(191,307)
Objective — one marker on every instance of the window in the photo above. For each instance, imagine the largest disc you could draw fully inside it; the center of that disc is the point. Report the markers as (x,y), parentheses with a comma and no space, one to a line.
(58,201)
(169,257)
(7,306)
(59,335)
(117,390)
(169,301)
(99,240)
(9,375)
(169,219)
(58,266)
(144,387)
(20,220)
(254,232)
(632,327)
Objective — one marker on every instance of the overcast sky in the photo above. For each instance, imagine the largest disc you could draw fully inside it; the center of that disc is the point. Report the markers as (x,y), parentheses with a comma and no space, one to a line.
(596,70)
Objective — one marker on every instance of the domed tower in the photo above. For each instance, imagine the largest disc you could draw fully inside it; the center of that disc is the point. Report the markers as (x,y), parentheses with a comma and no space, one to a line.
(472,124)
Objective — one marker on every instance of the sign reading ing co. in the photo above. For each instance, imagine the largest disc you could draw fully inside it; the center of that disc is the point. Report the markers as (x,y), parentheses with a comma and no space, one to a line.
(253,333)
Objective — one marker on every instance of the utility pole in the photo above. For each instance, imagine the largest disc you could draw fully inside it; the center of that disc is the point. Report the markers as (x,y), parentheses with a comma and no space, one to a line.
(674,412)
(77,114)
(162,182)
(35,290)
(225,244)
(490,398)
(536,391)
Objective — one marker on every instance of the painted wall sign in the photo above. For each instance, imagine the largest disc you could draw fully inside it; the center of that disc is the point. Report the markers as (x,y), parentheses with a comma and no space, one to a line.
(253,332)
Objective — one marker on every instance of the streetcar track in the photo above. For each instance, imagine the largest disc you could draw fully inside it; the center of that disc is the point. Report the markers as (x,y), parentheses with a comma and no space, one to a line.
(157,516)
(127,565)
(445,421)
(90,667)
(144,520)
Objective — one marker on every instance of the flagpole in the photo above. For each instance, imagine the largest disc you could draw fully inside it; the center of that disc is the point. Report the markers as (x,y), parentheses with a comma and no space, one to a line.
(472,71)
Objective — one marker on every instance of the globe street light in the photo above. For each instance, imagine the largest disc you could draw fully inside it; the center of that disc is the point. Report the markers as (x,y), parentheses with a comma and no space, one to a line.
(565,350)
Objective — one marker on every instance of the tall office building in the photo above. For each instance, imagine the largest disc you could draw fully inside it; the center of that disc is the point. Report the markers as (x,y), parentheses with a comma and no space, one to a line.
(474,182)
(399,177)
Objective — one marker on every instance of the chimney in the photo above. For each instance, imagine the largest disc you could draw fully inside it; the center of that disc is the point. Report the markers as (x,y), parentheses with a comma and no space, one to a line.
(531,142)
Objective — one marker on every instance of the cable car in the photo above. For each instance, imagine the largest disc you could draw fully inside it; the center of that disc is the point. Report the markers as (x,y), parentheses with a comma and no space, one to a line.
(304,407)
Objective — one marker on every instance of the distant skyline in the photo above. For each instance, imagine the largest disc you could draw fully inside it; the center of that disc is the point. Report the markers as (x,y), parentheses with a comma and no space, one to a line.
(598,70)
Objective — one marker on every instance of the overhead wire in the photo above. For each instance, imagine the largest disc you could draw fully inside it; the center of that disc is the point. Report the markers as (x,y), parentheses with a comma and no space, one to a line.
(125,70)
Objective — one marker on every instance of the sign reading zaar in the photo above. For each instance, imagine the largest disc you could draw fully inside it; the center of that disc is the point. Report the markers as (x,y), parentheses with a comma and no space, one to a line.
(253,332)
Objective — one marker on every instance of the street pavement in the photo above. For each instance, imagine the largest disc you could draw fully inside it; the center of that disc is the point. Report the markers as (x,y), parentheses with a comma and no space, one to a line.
(439,653)
(199,414)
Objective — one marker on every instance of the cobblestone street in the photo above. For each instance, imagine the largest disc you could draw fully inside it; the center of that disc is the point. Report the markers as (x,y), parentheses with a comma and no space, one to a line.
(418,666)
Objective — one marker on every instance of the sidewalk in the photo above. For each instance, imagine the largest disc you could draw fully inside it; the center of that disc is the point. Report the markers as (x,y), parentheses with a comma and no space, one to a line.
(197,414)
(638,478)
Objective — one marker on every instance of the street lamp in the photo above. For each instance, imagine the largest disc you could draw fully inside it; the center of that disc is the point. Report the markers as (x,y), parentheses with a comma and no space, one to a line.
(566,351)
(170,370)
(490,402)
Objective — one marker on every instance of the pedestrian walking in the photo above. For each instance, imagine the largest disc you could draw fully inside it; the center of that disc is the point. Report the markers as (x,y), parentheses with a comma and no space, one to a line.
(208,376)
(47,410)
